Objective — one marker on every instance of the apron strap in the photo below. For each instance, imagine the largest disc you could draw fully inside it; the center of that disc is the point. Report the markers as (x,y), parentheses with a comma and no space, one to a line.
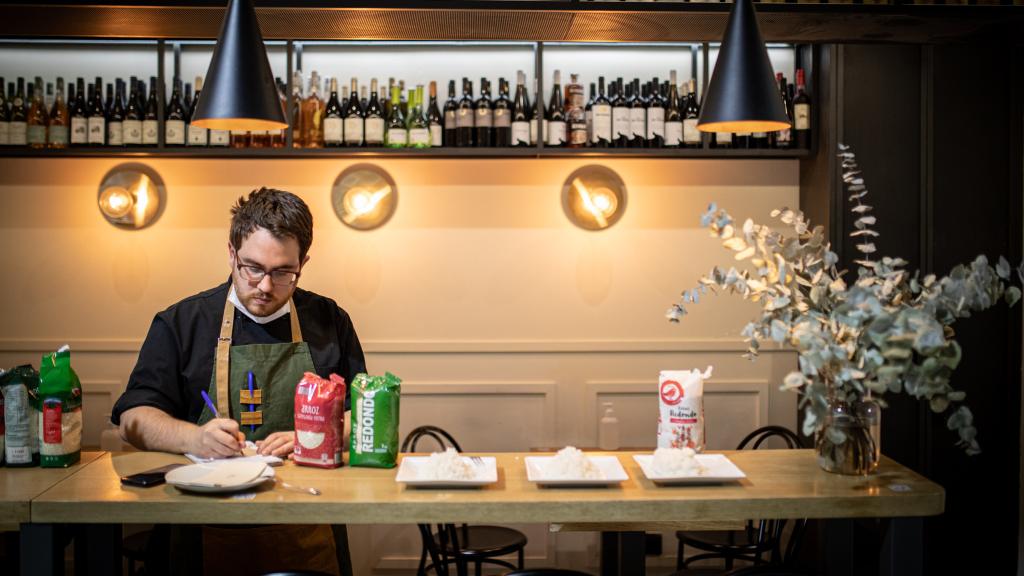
(222,366)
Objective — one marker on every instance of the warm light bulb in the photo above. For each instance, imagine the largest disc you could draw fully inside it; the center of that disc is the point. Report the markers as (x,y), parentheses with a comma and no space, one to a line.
(116,202)
(594,197)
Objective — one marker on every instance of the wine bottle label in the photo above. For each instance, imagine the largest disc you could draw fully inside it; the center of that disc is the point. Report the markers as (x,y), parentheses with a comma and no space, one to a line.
(333,130)
(723,138)
(520,133)
(5,133)
(131,131)
(802,116)
(589,115)
(637,123)
(79,131)
(602,122)
(655,122)
(115,134)
(397,137)
(220,138)
(58,135)
(36,134)
(691,135)
(174,132)
(760,134)
(502,119)
(97,129)
(354,130)
(484,118)
(555,133)
(19,133)
(464,118)
(196,136)
(784,136)
(577,132)
(674,133)
(620,122)
(533,132)
(374,130)
(419,137)
(436,134)
(150,132)
(449,119)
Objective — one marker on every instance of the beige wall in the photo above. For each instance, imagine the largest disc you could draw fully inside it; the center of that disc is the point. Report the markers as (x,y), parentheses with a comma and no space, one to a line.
(509,325)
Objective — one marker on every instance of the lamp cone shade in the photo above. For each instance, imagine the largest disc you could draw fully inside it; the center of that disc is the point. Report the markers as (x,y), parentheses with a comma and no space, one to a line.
(742,95)
(239,92)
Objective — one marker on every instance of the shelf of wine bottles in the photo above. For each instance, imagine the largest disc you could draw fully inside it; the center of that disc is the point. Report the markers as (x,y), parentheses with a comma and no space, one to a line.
(498,116)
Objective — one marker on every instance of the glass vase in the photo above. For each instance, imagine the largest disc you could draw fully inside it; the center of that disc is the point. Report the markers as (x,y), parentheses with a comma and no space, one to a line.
(849,440)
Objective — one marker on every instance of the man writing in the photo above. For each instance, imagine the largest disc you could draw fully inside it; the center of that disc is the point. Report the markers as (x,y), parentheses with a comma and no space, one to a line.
(258,328)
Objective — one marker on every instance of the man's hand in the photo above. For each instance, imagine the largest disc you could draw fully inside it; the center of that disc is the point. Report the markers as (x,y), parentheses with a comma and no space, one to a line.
(218,438)
(278,444)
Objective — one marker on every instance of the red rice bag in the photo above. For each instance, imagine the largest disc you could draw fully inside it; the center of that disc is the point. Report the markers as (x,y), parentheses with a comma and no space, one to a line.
(319,419)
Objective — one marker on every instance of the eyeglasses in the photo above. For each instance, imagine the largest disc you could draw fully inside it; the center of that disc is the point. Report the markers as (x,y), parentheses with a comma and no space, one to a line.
(255,274)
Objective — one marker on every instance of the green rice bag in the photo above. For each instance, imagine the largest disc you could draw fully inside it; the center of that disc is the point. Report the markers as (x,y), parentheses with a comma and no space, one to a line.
(60,411)
(374,440)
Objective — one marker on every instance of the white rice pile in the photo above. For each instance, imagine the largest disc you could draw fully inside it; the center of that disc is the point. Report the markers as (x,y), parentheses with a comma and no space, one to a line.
(572,464)
(447,465)
(677,462)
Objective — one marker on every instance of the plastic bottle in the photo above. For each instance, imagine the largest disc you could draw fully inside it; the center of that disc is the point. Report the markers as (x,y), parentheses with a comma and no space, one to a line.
(608,430)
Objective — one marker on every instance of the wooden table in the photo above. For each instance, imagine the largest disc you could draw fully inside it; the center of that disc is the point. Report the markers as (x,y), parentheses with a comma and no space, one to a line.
(19,486)
(779,484)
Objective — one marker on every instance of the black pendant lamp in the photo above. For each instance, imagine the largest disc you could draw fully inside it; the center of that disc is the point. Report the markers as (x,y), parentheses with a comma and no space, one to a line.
(240,92)
(742,95)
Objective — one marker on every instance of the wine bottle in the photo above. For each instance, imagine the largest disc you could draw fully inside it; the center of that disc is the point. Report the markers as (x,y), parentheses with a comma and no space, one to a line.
(312,114)
(150,120)
(131,126)
(483,117)
(674,114)
(575,113)
(196,136)
(435,121)
(637,117)
(620,117)
(502,116)
(397,135)
(655,116)
(174,117)
(802,112)
(354,115)
(115,118)
(374,112)
(691,135)
(57,135)
(783,138)
(5,119)
(521,113)
(601,117)
(419,127)
(451,107)
(333,121)
(588,113)
(465,116)
(38,117)
(555,132)
(538,116)
(97,118)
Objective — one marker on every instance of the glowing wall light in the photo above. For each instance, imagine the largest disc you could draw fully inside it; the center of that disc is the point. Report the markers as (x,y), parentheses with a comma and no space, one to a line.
(364,196)
(594,197)
(131,196)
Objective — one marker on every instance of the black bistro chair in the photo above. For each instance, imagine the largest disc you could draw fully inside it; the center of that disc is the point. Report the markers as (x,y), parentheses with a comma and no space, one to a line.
(762,540)
(462,545)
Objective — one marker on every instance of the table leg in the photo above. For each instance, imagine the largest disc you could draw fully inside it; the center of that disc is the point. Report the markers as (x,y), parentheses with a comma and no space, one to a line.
(839,552)
(609,553)
(102,549)
(903,548)
(632,553)
(41,550)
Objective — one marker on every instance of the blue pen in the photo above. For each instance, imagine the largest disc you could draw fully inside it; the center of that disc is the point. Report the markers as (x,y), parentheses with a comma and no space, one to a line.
(209,403)
(252,407)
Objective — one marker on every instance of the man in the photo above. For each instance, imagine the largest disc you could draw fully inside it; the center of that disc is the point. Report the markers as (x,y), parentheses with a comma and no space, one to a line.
(257,328)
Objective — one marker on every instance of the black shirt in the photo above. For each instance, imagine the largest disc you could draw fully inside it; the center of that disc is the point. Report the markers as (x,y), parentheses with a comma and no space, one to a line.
(177,358)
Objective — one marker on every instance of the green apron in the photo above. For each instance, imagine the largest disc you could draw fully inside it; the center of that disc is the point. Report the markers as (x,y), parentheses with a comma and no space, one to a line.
(276,369)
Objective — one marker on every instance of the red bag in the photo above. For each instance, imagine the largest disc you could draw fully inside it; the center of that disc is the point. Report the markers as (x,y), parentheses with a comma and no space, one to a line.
(319,419)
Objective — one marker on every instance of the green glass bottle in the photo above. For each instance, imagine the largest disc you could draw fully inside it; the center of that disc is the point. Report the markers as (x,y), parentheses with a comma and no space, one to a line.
(398,134)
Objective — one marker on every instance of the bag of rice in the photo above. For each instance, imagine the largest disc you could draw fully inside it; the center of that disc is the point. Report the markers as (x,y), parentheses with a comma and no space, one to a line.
(681,413)
(319,419)
(60,402)
(20,387)
(374,440)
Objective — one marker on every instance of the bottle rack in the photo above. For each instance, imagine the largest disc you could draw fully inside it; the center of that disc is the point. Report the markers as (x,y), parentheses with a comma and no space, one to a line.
(294,50)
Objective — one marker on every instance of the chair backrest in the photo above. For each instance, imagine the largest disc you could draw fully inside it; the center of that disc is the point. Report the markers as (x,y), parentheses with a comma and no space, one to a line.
(764,433)
(547,572)
(442,438)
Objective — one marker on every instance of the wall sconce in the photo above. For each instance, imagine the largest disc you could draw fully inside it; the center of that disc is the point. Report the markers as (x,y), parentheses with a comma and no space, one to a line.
(131,196)
(364,196)
(594,197)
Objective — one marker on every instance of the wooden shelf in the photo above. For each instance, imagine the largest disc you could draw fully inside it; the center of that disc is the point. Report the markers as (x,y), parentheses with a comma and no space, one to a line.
(449,153)
(519,20)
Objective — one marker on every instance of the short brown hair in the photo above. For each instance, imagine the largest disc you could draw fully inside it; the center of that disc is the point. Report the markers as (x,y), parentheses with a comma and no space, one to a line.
(281,213)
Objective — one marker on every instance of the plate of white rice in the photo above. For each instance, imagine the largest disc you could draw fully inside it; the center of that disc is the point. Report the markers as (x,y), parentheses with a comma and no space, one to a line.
(447,469)
(572,467)
(668,466)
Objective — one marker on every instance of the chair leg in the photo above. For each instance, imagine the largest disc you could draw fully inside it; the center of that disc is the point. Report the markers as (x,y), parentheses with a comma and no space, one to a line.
(520,556)
(423,562)
(479,568)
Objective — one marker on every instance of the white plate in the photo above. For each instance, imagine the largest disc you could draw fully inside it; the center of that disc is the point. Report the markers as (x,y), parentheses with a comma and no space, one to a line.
(486,473)
(221,476)
(717,468)
(611,470)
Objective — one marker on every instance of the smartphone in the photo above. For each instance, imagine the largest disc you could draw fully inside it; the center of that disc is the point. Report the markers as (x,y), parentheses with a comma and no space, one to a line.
(149,478)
